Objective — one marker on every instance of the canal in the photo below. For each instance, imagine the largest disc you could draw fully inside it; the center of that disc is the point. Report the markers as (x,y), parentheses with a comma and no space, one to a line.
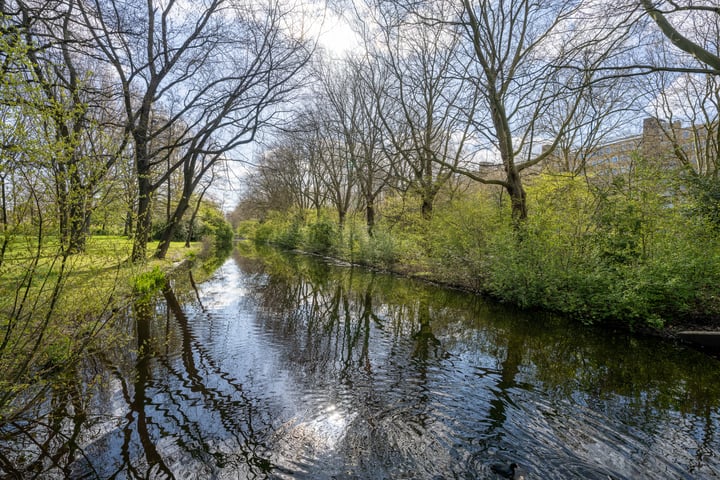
(285,366)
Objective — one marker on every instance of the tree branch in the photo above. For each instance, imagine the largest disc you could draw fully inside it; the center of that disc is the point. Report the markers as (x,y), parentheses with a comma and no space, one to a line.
(680,41)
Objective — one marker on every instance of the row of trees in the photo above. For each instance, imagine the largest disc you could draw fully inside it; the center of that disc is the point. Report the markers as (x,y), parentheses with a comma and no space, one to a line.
(109,105)
(115,117)
(447,88)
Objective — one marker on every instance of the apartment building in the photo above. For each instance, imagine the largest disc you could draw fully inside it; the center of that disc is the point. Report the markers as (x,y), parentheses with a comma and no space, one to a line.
(660,142)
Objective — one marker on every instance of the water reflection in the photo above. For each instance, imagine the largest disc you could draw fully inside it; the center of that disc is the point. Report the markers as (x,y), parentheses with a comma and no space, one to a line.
(442,374)
(287,367)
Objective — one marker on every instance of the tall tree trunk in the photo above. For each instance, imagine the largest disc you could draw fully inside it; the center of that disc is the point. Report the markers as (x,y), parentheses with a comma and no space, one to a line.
(428,193)
(168,204)
(3,220)
(191,227)
(518,198)
(144,184)
(187,191)
(61,194)
(427,206)
(513,180)
(168,232)
(370,217)
(79,214)
(128,228)
(142,229)
(341,217)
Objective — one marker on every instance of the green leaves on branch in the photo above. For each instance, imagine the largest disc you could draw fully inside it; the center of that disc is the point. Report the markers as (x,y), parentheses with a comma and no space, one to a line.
(634,251)
(147,283)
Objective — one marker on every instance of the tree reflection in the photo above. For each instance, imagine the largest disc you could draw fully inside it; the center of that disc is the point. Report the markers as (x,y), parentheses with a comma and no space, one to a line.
(316,369)
(388,346)
(240,415)
(47,445)
(425,341)
(185,414)
(143,318)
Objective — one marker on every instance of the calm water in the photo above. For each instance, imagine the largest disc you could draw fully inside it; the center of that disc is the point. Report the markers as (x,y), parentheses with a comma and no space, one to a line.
(286,367)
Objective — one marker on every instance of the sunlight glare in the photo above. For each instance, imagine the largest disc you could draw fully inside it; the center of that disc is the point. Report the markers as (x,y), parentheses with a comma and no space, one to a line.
(336,37)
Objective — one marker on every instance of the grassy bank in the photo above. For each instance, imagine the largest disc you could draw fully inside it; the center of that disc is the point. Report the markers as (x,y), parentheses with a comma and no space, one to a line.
(612,255)
(54,308)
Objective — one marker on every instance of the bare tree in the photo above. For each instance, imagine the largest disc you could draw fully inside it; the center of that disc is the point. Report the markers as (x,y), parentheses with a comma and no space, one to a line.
(607,110)
(330,165)
(353,98)
(520,49)
(691,26)
(522,57)
(373,166)
(684,92)
(278,182)
(429,106)
(306,139)
(215,73)
(687,106)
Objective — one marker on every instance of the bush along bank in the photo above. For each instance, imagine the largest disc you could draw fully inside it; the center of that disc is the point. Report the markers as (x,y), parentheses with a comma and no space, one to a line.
(599,256)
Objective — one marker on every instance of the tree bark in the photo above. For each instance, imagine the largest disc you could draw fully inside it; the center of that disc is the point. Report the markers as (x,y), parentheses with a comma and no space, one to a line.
(171,226)
(79,214)
(341,218)
(518,198)
(680,41)
(142,228)
(370,218)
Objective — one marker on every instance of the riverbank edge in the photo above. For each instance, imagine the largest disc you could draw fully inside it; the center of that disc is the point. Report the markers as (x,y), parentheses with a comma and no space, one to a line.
(673,333)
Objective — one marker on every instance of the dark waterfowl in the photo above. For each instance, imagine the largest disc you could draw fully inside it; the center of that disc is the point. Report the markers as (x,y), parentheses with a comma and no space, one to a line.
(511,471)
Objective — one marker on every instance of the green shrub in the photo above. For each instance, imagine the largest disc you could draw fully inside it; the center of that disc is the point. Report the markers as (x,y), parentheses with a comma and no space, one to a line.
(290,235)
(282,229)
(148,282)
(380,250)
(223,238)
(322,236)
(247,228)
(263,233)
(599,253)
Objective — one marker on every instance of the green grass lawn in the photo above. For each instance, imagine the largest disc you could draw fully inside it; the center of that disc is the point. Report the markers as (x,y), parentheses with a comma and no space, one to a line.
(90,280)
(52,310)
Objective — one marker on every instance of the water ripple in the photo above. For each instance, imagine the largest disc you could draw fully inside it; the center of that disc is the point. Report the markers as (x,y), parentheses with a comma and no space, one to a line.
(308,371)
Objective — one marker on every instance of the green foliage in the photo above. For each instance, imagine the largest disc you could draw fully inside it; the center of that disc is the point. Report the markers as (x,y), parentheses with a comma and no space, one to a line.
(180,233)
(224,237)
(280,229)
(616,256)
(290,237)
(458,238)
(52,307)
(321,236)
(705,193)
(247,229)
(263,233)
(147,283)
(381,250)
(215,232)
(209,224)
(626,252)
